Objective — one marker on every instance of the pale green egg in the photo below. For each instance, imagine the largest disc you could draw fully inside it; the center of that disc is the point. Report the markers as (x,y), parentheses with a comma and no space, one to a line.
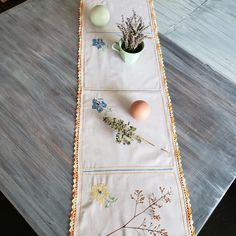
(99,15)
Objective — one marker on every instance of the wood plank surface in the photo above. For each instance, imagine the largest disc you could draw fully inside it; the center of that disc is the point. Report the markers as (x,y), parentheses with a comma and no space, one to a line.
(170,13)
(205,113)
(38,44)
(204,28)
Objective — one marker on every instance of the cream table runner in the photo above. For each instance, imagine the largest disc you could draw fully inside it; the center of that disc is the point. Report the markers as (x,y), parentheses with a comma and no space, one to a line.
(125,190)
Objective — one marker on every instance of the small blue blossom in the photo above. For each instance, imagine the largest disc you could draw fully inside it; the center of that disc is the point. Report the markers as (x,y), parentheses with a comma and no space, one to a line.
(99,104)
(99,43)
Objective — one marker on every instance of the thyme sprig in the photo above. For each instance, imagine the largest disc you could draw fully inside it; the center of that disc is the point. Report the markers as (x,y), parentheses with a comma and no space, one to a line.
(125,132)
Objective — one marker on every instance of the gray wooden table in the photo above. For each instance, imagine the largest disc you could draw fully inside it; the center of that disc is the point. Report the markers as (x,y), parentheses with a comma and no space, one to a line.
(38,42)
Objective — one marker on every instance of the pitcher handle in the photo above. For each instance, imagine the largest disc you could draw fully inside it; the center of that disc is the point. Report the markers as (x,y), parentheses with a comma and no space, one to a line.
(115,46)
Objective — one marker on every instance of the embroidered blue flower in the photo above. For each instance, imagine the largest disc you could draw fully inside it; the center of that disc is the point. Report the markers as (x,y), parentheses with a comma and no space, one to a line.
(99,104)
(99,43)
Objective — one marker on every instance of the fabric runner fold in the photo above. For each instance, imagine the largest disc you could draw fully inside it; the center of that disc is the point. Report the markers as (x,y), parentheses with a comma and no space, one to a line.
(136,189)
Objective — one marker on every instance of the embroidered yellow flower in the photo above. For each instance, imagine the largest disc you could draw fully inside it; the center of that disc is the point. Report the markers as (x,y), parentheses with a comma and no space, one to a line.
(100,193)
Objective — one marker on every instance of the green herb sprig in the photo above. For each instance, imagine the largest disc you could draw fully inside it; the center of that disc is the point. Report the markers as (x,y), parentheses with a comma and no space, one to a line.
(125,132)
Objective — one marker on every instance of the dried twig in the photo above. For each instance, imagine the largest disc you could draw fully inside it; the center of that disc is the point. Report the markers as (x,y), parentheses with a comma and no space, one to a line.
(153,203)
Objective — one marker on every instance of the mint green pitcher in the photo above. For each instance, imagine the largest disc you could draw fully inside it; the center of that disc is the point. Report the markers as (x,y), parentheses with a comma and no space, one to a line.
(127,57)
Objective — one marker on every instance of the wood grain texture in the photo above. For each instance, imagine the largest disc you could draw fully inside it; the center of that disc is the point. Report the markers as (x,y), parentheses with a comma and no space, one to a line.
(204,28)
(37,106)
(204,104)
(38,47)
(170,13)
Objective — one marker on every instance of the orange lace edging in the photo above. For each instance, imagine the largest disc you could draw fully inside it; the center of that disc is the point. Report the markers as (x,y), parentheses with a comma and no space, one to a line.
(173,129)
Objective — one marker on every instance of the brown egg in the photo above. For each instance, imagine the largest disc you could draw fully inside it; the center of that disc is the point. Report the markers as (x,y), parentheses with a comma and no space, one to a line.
(140,110)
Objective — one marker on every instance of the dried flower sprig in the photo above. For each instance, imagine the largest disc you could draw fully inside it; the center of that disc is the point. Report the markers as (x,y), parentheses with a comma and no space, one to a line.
(147,206)
(125,133)
(132,30)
